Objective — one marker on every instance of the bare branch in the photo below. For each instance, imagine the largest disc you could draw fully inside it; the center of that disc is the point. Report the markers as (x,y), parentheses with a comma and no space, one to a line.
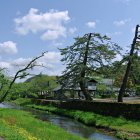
(30,65)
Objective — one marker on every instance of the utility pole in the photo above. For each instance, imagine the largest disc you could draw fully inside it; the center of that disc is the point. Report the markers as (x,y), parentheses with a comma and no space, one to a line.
(124,82)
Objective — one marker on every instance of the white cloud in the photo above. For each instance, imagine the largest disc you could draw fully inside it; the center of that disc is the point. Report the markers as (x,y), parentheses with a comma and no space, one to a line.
(50,23)
(8,47)
(91,24)
(54,34)
(51,63)
(51,57)
(20,61)
(72,30)
(121,22)
(4,64)
(118,57)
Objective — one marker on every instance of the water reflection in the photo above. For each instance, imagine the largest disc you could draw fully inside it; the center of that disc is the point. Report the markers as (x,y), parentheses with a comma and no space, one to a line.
(6,105)
(68,124)
(75,127)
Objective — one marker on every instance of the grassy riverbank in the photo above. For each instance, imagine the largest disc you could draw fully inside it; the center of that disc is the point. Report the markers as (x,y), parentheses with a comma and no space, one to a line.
(20,125)
(125,129)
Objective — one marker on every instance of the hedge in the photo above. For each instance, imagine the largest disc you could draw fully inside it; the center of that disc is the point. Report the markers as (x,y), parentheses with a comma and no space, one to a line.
(126,110)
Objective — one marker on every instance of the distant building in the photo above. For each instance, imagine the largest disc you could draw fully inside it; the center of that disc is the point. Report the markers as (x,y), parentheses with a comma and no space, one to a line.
(109,84)
(90,86)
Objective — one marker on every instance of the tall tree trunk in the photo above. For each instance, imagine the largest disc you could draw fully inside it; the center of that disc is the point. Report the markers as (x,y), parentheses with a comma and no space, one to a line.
(84,90)
(83,72)
(124,82)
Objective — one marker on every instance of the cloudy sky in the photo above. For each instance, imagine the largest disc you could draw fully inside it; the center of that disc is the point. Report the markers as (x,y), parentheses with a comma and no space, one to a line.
(29,27)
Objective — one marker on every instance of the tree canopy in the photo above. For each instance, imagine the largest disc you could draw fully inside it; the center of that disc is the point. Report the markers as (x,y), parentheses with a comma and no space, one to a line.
(84,57)
(42,82)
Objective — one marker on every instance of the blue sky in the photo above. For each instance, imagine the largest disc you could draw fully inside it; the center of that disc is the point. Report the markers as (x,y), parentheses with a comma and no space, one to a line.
(29,27)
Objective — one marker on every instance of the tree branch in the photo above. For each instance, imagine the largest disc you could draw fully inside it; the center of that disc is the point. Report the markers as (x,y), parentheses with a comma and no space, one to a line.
(30,65)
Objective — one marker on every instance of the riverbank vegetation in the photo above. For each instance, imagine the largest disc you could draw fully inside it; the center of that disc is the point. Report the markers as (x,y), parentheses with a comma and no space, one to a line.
(20,125)
(124,129)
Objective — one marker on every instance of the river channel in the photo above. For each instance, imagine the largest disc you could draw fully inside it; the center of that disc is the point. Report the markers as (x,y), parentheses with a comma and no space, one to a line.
(68,124)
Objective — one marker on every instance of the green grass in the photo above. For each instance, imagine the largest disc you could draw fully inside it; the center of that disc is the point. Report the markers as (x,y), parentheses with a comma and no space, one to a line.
(20,125)
(90,118)
(131,129)
(125,129)
(22,101)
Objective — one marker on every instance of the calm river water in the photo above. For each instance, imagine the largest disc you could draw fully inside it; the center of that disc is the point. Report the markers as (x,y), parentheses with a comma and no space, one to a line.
(68,124)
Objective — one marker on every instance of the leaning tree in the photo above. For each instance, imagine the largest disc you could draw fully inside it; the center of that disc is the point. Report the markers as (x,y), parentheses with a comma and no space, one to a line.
(21,73)
(84,57)
(134,46)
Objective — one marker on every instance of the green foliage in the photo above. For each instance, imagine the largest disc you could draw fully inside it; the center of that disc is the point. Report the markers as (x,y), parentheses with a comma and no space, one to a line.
(4,83)
(21,90)
(21,73)
(32,87)
(122,126)
(101,87)
(84,57)
(125,129)
(100,51)
(137,88)
(22,101)
(103,91)
(20,125)
(42,83)
(106,95)
(127,110)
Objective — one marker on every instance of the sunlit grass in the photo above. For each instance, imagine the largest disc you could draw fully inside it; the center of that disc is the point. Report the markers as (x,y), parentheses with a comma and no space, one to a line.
(20,125)
(125,129)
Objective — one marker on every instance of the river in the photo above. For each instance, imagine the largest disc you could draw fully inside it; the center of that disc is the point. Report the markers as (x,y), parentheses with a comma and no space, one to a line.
(68,124)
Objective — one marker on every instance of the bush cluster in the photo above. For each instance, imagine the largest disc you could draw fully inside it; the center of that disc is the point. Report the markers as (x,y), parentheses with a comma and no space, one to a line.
(126,110)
